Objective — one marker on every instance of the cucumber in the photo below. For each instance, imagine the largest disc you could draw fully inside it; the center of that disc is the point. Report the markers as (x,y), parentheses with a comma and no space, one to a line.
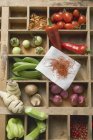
(30,74)
(31,60)
(36,113)
(19,63)
(25,67)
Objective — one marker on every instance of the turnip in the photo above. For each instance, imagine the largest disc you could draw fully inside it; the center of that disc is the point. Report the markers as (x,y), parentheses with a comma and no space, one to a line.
(14,41)
(26,44)
(78,89)
(55,89)
(74,99)
(16,50)
(56,99)
(64,94)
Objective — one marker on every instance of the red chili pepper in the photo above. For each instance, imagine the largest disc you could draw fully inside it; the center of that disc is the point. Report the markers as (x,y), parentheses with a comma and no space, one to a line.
(78,49)
(54,36)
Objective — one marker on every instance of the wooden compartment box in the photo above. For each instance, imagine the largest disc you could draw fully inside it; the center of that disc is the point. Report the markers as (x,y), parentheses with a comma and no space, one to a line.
(59,118)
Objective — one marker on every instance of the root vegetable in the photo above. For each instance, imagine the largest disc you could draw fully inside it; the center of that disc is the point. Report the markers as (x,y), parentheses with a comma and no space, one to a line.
(81,100)
(31,89)
(36,100)
(55,89)
(74,99)
(14,42)
(78,89)
(12,102)
(57,100)
(64,94)
(37,41)
(16,50)
(26,44)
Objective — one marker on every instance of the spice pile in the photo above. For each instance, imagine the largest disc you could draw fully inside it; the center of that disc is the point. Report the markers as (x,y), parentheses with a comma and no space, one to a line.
(79,129)
(37,22)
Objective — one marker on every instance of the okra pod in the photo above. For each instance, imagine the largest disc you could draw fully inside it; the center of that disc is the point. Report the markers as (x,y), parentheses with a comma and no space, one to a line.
(30,60)
(36,113)
(30,74)
(25,67)
(33,135)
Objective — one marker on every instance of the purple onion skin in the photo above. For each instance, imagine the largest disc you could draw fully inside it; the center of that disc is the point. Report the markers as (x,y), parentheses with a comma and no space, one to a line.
(57,100)
(55,89)
(64,94)
(78,89)
(74,99)
(81,100)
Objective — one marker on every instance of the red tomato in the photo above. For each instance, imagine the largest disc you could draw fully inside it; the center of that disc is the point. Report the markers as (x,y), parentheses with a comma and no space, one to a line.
(67,17)
(75,24)
(60,25)
(82,20)
(61,14)
(69,26)
(56,17)
(76,13)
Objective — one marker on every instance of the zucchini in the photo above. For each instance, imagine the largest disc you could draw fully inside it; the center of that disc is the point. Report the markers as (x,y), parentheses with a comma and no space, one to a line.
(25,67)
(36,113)
(30,74)
(31,60)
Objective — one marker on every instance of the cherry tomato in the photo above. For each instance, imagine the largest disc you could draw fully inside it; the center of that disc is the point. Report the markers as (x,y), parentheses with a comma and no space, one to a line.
(56,17)
(60,25)
(76,13)
(61,14)
(67,17)
(82,20)
(75,24)
(69,26)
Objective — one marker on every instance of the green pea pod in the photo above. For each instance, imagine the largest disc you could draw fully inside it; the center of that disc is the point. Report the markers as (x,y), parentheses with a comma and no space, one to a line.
(14,128)
(33,135)
(25,67)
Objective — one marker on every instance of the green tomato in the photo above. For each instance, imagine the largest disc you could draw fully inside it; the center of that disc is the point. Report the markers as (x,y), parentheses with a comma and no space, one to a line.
(38,40)
(14,42)
(16,50)
(26,44)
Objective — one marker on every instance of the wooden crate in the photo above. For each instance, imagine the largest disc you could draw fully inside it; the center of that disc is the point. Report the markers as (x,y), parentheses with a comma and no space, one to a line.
(14,21)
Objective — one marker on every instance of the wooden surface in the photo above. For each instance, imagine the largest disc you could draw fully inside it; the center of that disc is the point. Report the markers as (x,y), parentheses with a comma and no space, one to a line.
(56,111)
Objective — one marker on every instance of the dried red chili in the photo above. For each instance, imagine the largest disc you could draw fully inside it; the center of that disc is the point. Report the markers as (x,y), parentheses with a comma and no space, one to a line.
(61,65)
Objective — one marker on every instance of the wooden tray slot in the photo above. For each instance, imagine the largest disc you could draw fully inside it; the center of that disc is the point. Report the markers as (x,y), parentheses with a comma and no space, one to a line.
(21,117)
(31,125)
(25,124)
(10,62)
(28,36)
(82,10)
(66,102)
(2,126)
(17,24)
(83,73)
(41,90)
(91,43)
(90,132)
(68,126)
(91,17)
(82,119)
(58,127)
(42,11)
(92,68)
(18,12)
(92,93)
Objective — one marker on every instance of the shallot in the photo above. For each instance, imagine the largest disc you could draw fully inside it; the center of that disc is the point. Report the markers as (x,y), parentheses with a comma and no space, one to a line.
(55,89)
(57,100)
(74,99)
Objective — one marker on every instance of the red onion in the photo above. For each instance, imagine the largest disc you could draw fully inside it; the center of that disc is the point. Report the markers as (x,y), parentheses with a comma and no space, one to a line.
(55,89)
(57,100)
(64,94)
(81,100)
(74,99)
(78,89)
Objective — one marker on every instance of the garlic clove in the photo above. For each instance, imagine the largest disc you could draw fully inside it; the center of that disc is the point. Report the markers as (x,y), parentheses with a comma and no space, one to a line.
(36,100)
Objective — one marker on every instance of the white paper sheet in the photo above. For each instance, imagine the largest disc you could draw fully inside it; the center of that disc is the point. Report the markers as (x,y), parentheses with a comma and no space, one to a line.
(45,68)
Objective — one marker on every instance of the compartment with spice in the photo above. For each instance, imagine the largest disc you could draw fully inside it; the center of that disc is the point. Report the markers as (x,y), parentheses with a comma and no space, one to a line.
(34,94)
(69,18)
(58,127)
(75,96)
(37,18)
(79,127)
(30,43)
